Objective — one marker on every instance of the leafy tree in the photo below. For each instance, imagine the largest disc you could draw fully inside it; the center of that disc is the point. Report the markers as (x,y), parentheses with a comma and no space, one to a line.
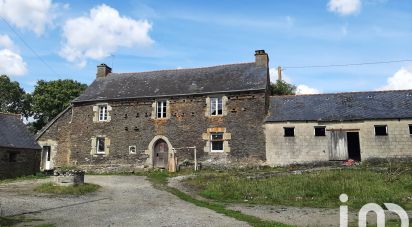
(281,87)
(52,97)
(13,99)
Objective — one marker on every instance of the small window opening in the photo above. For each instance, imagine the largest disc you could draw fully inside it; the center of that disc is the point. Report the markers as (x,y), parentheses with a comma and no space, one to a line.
(12,157)
(161,109)
(289,131)
(216,108)
(320,131)
(381,130)
(126,128)
(137,115)
(102,112)
(410,129)
(100,145)
(125,116)
(216,142)
(132,149)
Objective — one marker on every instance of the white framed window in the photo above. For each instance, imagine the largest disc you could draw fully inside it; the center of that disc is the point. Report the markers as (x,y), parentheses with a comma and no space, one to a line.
(216,106)
(102,112)
(100,145)
(161,109)
(320,130)
(132,149)
(216,140)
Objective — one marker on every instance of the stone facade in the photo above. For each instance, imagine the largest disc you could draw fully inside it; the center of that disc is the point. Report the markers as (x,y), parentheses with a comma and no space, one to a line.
(18,162)
(73,135)
(305,147)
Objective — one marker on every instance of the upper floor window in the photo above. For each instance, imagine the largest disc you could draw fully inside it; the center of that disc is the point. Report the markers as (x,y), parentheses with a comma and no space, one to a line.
(102,112)
(161,109)
(216,107)
(216,142)
(100,146)
(320,131)
(410,129)
(381,130)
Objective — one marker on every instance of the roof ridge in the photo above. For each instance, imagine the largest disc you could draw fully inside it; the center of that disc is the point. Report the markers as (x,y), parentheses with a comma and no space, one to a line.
(341,93)
(179,69)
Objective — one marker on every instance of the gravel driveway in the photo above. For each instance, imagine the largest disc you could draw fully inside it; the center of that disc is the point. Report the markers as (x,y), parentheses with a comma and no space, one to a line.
(122,201)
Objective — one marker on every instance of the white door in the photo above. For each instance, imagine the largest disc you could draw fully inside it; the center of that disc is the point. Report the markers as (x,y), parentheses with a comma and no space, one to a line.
(46,157)
(338,146)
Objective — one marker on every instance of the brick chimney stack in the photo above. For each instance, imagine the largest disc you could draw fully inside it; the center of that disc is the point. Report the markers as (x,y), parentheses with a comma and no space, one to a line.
(262,58)
(102,71)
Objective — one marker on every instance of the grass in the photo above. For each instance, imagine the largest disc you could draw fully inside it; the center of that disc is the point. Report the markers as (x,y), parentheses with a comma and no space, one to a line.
(14,220)
(67,190)
(22,178)
(159,180)
(315,189)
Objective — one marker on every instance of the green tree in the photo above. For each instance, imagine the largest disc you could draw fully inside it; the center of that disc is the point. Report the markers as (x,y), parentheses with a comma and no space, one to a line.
(13,99)
(52,97)
(281,87)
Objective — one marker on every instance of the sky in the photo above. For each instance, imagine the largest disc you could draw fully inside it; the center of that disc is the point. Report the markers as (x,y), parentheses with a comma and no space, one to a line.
(57,39)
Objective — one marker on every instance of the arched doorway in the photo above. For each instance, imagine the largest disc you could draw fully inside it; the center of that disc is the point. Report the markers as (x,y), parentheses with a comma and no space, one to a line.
(160,154)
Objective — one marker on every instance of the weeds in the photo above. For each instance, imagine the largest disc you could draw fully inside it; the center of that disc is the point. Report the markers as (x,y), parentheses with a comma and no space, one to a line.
(67,190)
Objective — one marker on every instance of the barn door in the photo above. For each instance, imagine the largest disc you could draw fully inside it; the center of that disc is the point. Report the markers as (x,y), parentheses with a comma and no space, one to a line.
(46,157)
(338,146)
(160,154)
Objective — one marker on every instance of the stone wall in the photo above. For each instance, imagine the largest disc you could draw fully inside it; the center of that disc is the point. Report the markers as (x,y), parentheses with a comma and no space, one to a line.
(304,147)
(131,124)
(25,162)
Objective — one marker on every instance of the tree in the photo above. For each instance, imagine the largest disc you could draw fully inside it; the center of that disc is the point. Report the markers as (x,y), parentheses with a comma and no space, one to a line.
(51,98)
(13,99)
(281,87)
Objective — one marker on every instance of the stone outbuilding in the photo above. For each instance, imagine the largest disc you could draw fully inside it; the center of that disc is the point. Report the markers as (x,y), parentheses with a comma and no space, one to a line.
(19,151)
(335,127)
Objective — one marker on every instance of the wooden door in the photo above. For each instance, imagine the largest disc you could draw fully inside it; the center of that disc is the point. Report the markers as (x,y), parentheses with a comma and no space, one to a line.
(338,146)
(160,154)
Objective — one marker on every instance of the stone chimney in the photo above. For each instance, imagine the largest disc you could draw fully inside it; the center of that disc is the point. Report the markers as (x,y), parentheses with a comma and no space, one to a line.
(262,58)
(102,71)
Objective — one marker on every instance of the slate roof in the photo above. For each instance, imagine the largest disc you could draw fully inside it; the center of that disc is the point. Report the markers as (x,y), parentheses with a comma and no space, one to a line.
(14,133)
(216,79)
(341,106)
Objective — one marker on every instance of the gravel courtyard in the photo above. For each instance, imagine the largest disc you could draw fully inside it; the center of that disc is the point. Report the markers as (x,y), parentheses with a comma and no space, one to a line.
(122,201)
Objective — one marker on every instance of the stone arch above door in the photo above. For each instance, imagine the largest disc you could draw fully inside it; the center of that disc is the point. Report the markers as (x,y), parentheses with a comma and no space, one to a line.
(150,148)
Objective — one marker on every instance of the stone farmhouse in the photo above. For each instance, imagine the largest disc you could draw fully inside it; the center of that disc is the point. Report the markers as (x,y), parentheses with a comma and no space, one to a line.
(19,151)
(128,121)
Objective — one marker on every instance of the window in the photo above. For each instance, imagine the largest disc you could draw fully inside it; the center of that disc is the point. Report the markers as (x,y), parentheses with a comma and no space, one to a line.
(132,149)
(410,129)
(102,112)
(216,108)
(320,131)
(217,142)
(289,131)
(12,157)
(100,148)
(381,130)
(161,109)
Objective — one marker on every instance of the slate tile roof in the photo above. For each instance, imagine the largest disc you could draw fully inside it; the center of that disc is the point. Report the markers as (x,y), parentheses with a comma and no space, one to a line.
(342,106)
(14,133)
(164,83)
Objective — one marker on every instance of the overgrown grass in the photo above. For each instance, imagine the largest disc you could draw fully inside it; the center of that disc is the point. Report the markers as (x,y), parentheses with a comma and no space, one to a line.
(14,220)
(159,180)
(29,177)
(315,189)
(67,190)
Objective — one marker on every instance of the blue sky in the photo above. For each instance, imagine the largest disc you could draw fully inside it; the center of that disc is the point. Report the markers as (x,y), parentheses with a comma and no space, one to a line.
(72,37)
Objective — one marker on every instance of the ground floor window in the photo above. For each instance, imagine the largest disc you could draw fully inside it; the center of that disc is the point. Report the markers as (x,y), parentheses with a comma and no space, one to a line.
(289,131)
(12,157)
(381,130)
(100,147)
(216,142)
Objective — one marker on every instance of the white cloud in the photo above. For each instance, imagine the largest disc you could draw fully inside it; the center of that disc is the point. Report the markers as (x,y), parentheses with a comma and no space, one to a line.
(33,15)
(304,89)
(6,42)
(345,7)
(402,79)
(11,63)
(100,34)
